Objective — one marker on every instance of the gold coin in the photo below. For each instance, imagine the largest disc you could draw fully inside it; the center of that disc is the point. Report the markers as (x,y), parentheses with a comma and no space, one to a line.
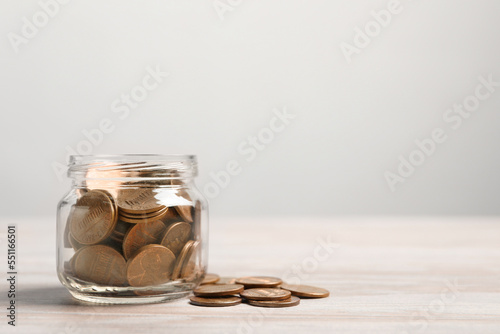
(292,301)
(210,279)
(306,291)
(100,264)
(218,290)
(176,236)
(138,200)
(215,302)
(141,235)
(93,218)
(259,281)
(266,294)
(226,280)
(185,253)
(151,265)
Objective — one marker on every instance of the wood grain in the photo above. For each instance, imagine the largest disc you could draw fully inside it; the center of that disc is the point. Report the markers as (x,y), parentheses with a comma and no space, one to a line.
(385,275)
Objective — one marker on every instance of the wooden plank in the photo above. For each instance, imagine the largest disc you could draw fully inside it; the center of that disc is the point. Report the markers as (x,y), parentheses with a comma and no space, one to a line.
(386,275)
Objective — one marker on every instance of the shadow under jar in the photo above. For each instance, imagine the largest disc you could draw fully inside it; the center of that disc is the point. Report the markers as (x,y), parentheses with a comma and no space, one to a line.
(132,229)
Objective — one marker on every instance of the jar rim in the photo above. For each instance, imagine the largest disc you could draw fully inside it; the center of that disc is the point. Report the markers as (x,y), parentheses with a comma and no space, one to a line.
(133,165)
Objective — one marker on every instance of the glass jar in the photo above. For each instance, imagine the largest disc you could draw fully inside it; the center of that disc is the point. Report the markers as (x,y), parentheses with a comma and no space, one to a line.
(132,229)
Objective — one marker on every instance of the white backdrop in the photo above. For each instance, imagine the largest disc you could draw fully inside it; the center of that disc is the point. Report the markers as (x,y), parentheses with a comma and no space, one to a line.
(361,82)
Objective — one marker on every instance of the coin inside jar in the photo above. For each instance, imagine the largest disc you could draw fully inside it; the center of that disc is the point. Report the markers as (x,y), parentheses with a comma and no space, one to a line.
(100,264)
(141,235)
(185,212)
(218,290)
(151,265)
(136,218)
(189,266)
(184,255)
(292,301)
(266,294)
(138,200)
(176,236)
(93,218)
(306,291)
(215,302)
(75,244)
(259,281)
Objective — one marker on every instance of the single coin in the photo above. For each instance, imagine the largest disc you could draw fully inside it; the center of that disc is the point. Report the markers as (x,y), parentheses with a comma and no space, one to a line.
(151,265)
(226,280)
(215,302)
(176,236)
(140,218)
(218,290)
(185,253)
(100,264)
(93,218)
(141,235)
(185,212)
(188,267)
(211,278)
(138,200)
(292,301)
(259,281)
(172,216)
(72,262)
(120,231)
(306,291)
(266,294)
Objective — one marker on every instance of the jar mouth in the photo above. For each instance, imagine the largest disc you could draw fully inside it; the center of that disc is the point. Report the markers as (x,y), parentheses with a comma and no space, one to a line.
(117,166)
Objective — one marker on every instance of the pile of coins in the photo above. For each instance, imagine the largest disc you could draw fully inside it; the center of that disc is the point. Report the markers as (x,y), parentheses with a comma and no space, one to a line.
(260,291)
(129,239)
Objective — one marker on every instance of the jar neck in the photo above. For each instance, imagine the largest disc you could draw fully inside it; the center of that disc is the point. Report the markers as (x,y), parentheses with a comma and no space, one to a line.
(107,183)
(126,170)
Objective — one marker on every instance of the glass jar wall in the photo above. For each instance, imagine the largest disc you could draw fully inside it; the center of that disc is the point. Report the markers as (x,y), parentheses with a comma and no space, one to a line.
(132,229)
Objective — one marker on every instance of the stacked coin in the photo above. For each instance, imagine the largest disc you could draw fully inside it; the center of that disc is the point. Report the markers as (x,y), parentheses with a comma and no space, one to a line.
(125,237)
(263,291)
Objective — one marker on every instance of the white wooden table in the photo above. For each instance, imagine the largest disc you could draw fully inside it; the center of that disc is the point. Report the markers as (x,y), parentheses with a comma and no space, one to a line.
(394,275)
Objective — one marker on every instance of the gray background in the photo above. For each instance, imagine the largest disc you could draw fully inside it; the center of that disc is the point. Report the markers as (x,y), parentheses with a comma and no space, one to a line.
(352,120)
